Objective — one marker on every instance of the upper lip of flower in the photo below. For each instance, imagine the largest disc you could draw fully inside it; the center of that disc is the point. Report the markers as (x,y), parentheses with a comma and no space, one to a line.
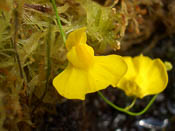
(81,56)
(76,37)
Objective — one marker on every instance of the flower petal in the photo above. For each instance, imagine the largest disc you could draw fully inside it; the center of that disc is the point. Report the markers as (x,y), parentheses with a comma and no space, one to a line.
(157,78)
(76,37)
(131,67)
(142,64)
(71,83)
(107,70)
(81,56)
(144,76)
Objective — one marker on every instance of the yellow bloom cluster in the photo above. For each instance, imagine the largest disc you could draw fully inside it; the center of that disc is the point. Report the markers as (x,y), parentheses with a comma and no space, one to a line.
(86,73)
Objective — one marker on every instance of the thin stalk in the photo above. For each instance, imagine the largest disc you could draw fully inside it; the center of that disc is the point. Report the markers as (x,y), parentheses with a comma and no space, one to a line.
(131,105)
(47,68)
(126,111)
(14,41)
(58,21)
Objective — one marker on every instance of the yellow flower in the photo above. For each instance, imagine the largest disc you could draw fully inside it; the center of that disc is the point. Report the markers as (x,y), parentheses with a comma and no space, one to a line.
(85,72)
(144,76)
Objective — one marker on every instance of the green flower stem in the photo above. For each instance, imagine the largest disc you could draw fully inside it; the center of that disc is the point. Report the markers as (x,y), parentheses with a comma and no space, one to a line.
(126,111)
(131,105)
(58,21)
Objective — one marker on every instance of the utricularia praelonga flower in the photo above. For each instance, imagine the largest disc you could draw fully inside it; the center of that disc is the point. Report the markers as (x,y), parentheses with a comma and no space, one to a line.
(85,72)
(145,76)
